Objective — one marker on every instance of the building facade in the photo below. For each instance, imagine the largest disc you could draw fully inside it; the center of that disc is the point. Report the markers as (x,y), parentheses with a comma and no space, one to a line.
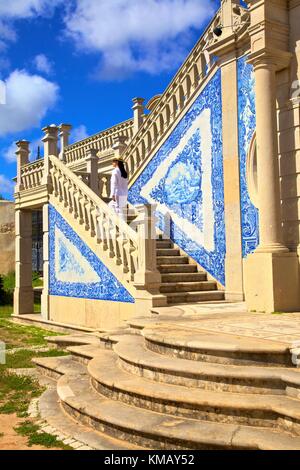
(213,186)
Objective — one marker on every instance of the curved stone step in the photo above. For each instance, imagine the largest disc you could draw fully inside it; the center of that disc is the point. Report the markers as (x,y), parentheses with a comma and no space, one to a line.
(158,431)
(221,348)
(136,359)
(265,411)
(85,353)
(172,260)
(55,367)
(63,341)
(51,411)
(167,252)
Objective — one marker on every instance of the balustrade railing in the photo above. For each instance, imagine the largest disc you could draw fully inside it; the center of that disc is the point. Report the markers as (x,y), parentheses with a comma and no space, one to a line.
(31,174)
(102,141)
(112,234)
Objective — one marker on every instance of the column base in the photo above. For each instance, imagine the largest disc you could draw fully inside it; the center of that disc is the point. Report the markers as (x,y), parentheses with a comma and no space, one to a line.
(23,300)
(272,282)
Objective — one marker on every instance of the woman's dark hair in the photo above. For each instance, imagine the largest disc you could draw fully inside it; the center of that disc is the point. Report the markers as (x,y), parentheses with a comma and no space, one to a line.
(121,166)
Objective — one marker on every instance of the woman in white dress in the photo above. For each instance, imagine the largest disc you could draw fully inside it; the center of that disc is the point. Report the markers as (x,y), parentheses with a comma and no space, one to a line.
(119,189)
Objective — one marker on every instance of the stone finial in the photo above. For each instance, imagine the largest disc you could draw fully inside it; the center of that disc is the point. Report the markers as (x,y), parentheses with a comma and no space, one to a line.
(64,134)
(119,145)
(138,112)
(22,154)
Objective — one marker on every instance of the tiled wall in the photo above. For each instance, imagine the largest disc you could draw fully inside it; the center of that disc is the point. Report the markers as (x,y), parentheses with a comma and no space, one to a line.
(185,180)
(75,271)
(247,125)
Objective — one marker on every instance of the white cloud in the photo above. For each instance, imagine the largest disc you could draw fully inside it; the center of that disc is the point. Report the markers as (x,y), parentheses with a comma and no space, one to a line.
(9,154)
(28,98)
(43,64)
(135,35)
(27,8)
(78,133)
(6,185)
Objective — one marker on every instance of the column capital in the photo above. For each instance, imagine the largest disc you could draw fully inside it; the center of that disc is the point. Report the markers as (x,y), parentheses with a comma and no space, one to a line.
(66,128)
(91,153)
(269,58)
(50,131)
(23,151)
(119,145)
(138,102)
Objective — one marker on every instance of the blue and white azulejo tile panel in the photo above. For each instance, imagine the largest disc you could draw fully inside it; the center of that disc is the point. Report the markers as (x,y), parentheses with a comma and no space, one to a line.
(247,126)
(185,180)
(75,271)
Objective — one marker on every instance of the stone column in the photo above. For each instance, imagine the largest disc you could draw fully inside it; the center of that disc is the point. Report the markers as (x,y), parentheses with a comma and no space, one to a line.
(92,168)
(23,294)
(45,294)
(147,275)
(119,145)
(22,154)
(138,111)
(50,148)
(267,158)
(271,273)
(64,134)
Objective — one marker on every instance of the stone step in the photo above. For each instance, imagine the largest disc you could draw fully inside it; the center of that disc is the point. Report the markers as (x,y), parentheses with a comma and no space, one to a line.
(51,411)
(164,244)
(216,347)
(169,287)
(272,411)
(183,277)
(161,260)
(167,252)
(136,359)
(63,341)
(159,431)
(84,354)
(55,367)
(184,297)
(177,268)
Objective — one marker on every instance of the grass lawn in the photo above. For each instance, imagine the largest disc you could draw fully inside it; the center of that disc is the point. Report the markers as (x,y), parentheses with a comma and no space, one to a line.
(16,392)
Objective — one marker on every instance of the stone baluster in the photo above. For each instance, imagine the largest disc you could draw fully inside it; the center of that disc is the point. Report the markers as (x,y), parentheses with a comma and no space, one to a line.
(138,112)
(50,148)
(64,134)
(92,168)
(22,154)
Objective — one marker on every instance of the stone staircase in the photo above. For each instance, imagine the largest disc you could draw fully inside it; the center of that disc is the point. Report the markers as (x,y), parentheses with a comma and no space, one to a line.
(166,386)
(181,280)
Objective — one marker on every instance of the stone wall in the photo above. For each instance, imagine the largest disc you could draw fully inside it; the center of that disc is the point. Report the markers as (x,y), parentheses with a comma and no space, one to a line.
(7,237)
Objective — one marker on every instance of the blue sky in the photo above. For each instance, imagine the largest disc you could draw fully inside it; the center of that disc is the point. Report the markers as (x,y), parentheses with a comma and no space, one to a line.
(82,62)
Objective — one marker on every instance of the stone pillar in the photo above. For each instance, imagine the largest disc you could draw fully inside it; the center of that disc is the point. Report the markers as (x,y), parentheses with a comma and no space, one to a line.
(92,168)
(23,294)
(50,148)
(267,158)
(138,111)
(147,275)
(119,145)
(64,134)
(22,154)
(271,273)
(45,294)
(234,257)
